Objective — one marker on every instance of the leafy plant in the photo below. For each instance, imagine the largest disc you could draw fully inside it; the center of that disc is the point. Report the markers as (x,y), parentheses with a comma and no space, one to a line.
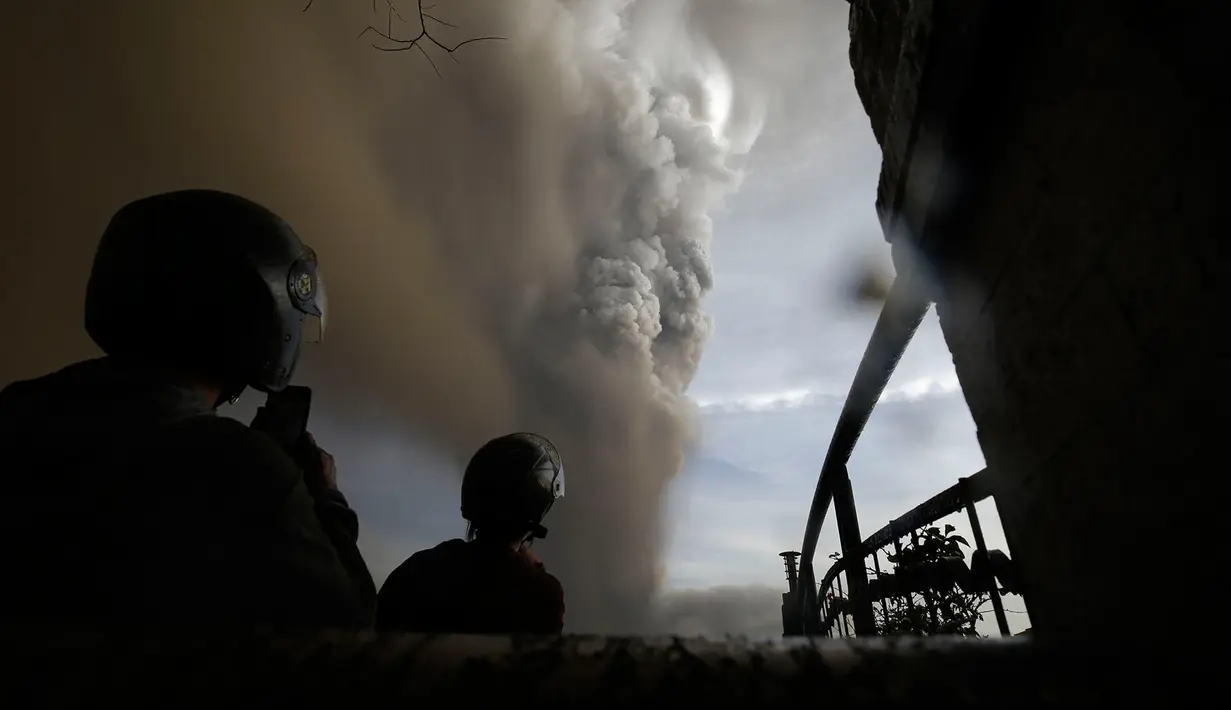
(925,561)
(943,608)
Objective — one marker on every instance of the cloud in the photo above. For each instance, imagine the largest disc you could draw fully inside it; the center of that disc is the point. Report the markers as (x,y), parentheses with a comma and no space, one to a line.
(802,397)
(760,402)
(752,612)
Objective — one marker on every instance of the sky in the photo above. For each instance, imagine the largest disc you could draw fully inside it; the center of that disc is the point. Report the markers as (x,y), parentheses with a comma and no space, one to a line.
(458,214)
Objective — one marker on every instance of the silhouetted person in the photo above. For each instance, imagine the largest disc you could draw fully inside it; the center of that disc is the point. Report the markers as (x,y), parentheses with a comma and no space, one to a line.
(488,583)
(126,500)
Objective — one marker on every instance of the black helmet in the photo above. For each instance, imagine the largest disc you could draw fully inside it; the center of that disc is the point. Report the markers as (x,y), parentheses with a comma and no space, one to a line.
(206,280)
(511,482)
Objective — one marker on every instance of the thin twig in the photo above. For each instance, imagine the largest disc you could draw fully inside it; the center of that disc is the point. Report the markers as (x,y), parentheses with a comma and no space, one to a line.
(394,44)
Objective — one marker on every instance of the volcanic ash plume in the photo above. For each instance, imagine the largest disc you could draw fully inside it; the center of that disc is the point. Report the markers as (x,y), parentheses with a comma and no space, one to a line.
(574,168)
(521,243)
(646,162)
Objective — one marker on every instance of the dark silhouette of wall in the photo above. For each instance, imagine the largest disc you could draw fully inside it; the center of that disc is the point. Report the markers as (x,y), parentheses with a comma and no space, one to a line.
(1059,165)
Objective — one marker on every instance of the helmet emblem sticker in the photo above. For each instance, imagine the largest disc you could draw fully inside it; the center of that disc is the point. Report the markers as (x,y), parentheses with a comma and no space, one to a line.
(303,285)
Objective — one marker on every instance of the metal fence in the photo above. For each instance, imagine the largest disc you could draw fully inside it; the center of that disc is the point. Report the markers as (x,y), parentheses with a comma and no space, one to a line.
(942,594)
(813,607)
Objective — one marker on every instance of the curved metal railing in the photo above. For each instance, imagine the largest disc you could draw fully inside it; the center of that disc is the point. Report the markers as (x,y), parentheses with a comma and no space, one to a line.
(899,319)
(990,571)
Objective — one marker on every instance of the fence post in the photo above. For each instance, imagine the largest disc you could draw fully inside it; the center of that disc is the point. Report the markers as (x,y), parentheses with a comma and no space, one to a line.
(912,613)
(977,531)
(843,603)
(853,553)
(792,622)
(927,591)
(880,584)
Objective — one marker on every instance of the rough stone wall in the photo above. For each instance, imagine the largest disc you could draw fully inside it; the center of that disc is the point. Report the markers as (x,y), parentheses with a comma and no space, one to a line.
(878,26)
(219,668)
(1081,299)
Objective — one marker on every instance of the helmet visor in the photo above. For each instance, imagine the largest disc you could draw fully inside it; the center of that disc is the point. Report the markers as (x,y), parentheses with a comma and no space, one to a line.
(314,322)
(309,295)
(551,479)
(558,484)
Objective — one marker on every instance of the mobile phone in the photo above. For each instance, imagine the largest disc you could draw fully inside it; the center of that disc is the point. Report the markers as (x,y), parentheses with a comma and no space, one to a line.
(284,416)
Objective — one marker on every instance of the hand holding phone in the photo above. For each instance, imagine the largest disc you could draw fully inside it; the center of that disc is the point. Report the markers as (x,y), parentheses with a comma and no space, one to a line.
(284,417)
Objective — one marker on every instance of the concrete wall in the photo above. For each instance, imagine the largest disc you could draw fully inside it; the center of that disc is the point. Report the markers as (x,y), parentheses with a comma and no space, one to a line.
(1082,296)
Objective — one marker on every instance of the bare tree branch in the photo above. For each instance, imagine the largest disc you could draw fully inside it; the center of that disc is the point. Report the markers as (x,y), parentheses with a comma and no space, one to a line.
(393,43)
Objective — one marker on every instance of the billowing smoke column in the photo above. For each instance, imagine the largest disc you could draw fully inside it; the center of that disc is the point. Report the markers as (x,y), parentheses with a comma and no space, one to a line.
(522,244)
(645,162)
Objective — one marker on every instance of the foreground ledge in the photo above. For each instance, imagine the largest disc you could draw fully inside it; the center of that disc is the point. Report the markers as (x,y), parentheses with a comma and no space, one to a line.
(339,671)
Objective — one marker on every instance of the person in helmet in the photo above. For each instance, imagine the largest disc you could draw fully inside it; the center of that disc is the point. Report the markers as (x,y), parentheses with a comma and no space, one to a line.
(488,583)
(127,500)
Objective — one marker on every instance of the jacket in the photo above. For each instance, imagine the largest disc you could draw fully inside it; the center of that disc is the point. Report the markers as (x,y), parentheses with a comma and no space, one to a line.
(128,501)
(471,588)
